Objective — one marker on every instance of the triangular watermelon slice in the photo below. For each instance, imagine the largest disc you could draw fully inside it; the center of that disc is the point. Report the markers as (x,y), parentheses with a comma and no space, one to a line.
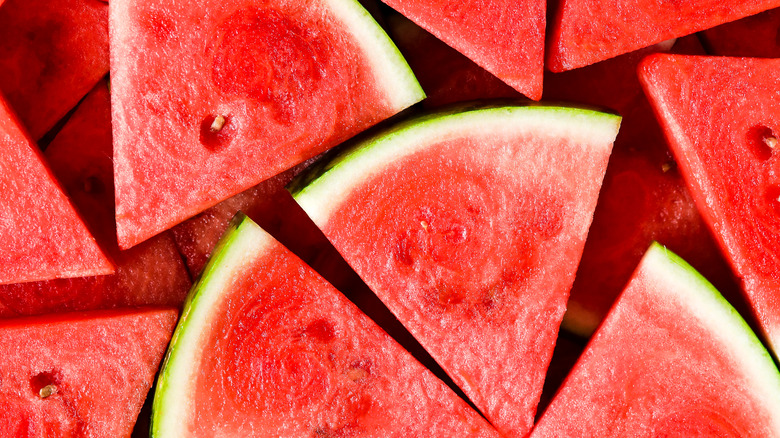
(52,52)
(755,36)
(79,374)
(210,98)
(588,31)
(722,118)
(672,359)
(41,235)
(469,225)
(505,37)
(266,347)
(151,273)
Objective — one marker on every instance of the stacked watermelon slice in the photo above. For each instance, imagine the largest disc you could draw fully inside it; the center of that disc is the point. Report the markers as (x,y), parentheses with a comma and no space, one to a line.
(242,152)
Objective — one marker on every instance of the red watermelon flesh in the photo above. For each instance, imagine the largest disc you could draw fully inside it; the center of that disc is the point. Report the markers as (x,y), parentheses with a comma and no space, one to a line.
(505,37)
(588,31)
(756,36)
(41,235)
(287,355)
(472,252)
(643,197)
(672,359)
(52,52)
(149,274)
(207,105)
(446,75)
(79,374)
(722,118)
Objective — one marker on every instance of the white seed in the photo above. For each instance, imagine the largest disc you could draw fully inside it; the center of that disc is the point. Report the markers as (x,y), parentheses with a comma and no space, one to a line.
(47,391)
(771,141)
(217,124)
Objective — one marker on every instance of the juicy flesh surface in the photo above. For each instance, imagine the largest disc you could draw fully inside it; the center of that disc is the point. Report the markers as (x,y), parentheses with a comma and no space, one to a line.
(100,366)
(149,274)
(475,255)
(293,357)
(504,37)
(42,235)
(643,197)
(289,82)
(754,36)
(720,141)
(51,54)
(588,31)
(669,360)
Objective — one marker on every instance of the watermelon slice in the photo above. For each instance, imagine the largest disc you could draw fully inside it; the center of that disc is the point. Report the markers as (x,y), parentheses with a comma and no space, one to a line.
(150,274)
(505,37)
(671,359)
(52,52)
(208,105)
(643,197)
(266,347)
(756,36)
(722,119)
(587,31)
(81,374)
(41,235)
(446,75)
(469,225)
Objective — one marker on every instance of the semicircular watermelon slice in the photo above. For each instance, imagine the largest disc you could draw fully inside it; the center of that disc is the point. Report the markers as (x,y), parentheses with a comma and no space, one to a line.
(722,119)
(469,225)
(212,97)
(673,358)
(266,347)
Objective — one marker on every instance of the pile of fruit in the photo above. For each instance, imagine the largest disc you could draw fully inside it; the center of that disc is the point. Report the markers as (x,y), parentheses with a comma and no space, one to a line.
(347,219)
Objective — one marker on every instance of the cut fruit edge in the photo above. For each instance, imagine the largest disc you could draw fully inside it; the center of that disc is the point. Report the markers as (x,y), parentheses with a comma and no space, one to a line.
(320,190)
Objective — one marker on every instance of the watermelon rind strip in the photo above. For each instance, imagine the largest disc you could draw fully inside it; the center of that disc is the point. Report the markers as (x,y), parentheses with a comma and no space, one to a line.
(242,242)
(688,287)
(319,189)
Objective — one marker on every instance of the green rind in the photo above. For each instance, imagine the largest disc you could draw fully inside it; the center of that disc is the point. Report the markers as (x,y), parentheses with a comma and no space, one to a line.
(216,261)
(334,168)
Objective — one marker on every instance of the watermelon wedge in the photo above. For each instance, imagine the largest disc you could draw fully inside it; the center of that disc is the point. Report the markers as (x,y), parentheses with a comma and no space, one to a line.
(208,105)
(505,37)
(588,31)
(445,74)
(755,36)
(722,118)
(643,197)
(79,374)
(41,235)
(469,224)
(151,273)
(673,358)
(52,52)
(266,347)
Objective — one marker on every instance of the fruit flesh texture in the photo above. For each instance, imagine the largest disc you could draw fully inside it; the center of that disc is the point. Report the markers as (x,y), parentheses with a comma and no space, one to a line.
(588,31)
(671,359)
(289,81)
(504,37)
(722,143)
(444,74)
(434,255)
(293,357)
(755,36)
(52,52)
(149,274)
(643,197)
(42,235)
(101,365)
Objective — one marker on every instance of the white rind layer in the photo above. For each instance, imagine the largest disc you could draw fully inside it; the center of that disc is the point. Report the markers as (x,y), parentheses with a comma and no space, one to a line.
(688,289)
(323,196)
(239,247)
(391,72)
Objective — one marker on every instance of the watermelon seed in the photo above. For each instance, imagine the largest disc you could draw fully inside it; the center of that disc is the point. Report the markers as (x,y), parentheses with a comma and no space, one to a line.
(762,141)
(425,225)
(218,123)
(667,166)
(47,391)
(771,141)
